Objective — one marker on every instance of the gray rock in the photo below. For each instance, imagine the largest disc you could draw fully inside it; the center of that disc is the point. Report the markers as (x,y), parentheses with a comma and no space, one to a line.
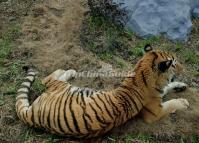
(195,8)
(154,17)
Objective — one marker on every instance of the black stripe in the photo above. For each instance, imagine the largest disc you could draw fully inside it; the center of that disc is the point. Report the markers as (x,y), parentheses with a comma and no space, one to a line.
(21,108)
(161,54)
(72,113)
(159,90)
(87,92)
(136,106)
(27,113)
(45,110)
(77,99)
(104,106)
(86,123)
(73,116)
(153,62)
(137,96)
(59,117)
(144,79)
(54,119)
(27,80)
(87,115)
(22,98)
(24,86)
(114,106)
(134,81)
(127,100)
(96,104)
(82,97)
(150,111)
(33,118)
(124,104)
(65,118)
(39,111)
(131,99)
(110,104)
(29,74)
(48,120)
(136,93)
(123,86)
(25,120)
(96,115)
(22,92)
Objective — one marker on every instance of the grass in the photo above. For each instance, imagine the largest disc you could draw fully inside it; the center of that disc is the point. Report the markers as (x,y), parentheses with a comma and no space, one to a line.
(5,42)
(179,46)
(108,40)
(9,73)
(111,39)
(38,86)
(191,57)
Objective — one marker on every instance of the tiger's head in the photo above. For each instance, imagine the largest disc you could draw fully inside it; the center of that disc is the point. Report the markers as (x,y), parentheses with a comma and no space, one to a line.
(158,67)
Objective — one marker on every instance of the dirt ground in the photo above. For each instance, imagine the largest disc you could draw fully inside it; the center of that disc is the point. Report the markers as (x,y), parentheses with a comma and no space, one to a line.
(50,38)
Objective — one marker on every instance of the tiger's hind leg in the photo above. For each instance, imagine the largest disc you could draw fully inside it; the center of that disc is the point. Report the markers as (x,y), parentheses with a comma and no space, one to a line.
(174,87)
(60,75)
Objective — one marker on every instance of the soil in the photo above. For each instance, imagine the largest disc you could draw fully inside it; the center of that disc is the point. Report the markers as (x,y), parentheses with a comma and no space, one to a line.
(51,40)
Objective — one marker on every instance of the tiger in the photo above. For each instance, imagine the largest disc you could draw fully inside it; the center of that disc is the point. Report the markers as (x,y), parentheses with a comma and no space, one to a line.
(67,110)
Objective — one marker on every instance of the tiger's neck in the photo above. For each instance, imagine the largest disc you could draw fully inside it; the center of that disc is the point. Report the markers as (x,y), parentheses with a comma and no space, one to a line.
(130,98)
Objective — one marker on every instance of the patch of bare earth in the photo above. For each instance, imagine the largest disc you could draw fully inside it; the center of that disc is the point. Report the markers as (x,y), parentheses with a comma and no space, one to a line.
(50,36)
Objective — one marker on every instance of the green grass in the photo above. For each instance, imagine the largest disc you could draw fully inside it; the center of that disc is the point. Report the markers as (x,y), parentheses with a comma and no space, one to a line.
(191,57)
(110,39)
(5,42)
(38,86)
(9,74)
(26,134)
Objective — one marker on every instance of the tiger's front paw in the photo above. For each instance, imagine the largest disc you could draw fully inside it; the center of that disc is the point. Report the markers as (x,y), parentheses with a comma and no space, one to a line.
(181,104)
(179,86)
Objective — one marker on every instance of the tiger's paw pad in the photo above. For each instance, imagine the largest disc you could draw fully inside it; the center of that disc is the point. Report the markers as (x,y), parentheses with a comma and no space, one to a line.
(179,86)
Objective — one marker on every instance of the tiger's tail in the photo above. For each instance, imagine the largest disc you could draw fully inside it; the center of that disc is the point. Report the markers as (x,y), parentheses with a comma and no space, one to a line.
(22,105)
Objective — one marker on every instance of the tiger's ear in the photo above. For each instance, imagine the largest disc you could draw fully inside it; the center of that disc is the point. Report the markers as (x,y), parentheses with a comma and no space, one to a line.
(163,66)
(148,48)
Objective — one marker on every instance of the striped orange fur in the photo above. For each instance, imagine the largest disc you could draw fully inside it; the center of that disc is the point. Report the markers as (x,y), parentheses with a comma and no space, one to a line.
(83,113)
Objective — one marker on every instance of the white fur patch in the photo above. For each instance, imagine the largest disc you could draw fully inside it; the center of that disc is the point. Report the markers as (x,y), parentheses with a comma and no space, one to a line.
(31,78)
(23,90)
(170,87)
(23,95)
(26,84)
(32,73)
(74,88)
(67,75)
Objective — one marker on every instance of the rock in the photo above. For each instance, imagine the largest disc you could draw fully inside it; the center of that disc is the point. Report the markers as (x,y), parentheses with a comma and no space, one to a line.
(195,8)
(154,17)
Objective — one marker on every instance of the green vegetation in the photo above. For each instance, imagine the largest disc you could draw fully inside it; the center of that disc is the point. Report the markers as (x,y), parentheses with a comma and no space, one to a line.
(179,46)
(26,134)
(5,42)
(9,68)
(191,57)
(110,41)
(38,86)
